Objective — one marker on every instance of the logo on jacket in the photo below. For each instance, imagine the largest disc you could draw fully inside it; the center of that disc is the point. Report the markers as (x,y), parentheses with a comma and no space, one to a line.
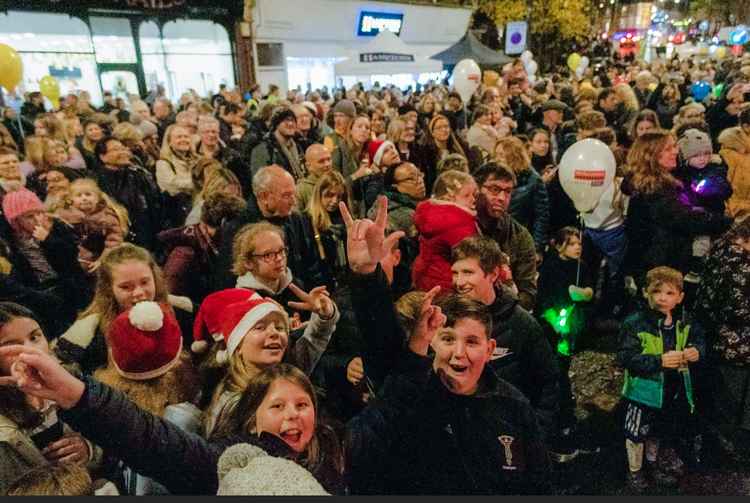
(500,353)
(506,441)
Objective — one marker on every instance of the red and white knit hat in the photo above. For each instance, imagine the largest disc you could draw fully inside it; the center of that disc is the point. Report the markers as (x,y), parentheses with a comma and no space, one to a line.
(233,318)
(376,149)
(145,341)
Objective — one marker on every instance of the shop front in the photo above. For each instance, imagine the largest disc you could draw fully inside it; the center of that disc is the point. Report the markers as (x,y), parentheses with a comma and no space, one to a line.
(124,46)
(300,47)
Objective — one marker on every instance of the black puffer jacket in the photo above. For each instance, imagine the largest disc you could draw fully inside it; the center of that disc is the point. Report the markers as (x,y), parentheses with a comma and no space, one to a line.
(419,438)
(524,358)
(664,224)
(529,205)
(144,442)
(136,190)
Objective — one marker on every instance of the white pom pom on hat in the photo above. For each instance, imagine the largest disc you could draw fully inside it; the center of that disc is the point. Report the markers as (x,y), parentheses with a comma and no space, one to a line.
(146,316)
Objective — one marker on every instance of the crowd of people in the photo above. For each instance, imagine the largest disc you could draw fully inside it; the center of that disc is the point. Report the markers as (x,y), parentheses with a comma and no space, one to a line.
(371,291)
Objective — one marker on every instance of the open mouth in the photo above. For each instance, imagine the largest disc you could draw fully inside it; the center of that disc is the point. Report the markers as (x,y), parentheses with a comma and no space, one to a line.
(291,436)
(458,369)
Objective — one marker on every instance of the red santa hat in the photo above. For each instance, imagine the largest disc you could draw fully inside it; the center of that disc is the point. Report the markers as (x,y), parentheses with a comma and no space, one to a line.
(145,341)
(211,314)
(376,149)
(234,314)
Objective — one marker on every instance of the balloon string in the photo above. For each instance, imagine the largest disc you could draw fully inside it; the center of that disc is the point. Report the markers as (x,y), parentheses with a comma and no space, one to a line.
(20,126)
(580,240)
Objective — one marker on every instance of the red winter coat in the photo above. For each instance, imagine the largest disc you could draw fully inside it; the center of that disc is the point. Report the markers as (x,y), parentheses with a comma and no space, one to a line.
(441,225)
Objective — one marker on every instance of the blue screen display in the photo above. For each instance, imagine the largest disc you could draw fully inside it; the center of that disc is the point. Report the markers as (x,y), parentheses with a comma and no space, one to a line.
(371,23)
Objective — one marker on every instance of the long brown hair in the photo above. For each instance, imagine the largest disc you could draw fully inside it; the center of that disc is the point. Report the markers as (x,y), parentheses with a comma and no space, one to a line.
(647,176)
(323,449)
(13,403)
(104,303)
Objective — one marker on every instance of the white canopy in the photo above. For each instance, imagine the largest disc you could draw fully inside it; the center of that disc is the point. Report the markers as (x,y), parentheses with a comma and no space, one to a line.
(386,54)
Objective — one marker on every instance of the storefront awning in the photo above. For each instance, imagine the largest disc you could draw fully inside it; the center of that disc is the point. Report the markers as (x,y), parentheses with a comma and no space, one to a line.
(386,55)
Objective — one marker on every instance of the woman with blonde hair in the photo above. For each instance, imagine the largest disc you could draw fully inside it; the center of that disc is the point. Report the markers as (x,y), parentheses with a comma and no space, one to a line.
(529,203)
(328,225)
(659,220)
(174,173)
(217,180)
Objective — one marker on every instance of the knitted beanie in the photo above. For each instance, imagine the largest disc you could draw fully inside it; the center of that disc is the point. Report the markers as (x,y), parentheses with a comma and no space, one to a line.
(145,341)
(19,202)
(247,470)
(345,107)
(694,142)
(280,115)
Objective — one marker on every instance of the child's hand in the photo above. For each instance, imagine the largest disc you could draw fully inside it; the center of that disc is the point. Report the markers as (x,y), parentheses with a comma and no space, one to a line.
(691,354)
(578,294)
(671,359)
(40,233)
(355,371)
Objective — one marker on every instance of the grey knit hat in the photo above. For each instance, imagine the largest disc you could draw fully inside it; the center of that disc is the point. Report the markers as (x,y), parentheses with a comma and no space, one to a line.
(694,142)
(345,107)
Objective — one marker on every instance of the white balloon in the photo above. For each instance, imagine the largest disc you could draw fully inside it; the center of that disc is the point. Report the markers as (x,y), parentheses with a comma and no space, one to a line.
(584,63)
(532,67)
(526,56)
(466,78)
(579,72)
(587,169)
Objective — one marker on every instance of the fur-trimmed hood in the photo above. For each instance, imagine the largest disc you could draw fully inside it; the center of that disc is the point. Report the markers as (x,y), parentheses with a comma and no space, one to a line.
(735,139)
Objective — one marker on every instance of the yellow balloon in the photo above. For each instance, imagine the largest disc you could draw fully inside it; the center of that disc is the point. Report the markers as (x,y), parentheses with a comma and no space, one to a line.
(652,86)
(50,88)
(11,67)
(573,61)
(721,52)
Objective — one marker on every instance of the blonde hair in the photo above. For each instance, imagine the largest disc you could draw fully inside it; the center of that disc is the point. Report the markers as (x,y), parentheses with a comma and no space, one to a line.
(217,180)
(408,309)
(664,275)
(104,303)
(203,170)
(449,183)
(34,148)
(105,201)
(626,94)
(62,479)
(127,133)
(243,245)
(515,153)
(455,162)
(54,126)
(647,176)
(395,129)
(49,146)
(321,220)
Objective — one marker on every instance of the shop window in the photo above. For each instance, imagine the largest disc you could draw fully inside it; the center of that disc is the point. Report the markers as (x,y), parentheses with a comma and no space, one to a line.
(317,72)
(188,55)
(113,40)
(52,44)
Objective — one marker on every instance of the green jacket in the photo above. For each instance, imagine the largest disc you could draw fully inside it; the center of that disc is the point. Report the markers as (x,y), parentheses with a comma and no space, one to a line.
(640,354)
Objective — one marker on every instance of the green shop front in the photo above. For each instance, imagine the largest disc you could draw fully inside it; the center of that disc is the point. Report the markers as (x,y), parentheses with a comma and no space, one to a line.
(124,46)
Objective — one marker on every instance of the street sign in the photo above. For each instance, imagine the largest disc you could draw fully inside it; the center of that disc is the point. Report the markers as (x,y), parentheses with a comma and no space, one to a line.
(515,37)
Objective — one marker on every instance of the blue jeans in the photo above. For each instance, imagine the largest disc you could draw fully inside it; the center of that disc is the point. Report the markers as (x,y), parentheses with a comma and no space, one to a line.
(613,244)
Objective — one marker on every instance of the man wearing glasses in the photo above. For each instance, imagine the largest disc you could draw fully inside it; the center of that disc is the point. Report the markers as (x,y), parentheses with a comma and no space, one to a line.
(496,185)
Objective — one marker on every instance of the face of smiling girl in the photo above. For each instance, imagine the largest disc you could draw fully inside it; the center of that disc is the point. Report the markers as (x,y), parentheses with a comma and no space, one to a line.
(287,411)
(267,340)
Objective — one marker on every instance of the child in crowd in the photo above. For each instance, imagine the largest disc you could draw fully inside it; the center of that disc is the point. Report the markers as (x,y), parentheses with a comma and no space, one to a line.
(565,290)
(98,222)
(657,350)
(31,434)
(705,179)
(442,222)
(254,335)
(46,256)
(127,275)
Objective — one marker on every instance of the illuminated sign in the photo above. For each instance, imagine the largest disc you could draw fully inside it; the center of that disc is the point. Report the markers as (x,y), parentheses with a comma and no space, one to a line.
(385,57)
(372,23)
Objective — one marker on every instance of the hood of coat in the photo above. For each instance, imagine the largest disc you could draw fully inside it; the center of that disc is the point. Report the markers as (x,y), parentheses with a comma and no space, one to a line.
(248,280)
(434,217)
(735,139)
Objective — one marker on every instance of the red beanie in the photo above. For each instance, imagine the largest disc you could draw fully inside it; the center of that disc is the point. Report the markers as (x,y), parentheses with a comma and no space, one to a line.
(18,202)
(145,341)
(376,149)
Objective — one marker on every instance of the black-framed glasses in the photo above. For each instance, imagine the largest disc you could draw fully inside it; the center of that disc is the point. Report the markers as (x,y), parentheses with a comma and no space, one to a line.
(272,255)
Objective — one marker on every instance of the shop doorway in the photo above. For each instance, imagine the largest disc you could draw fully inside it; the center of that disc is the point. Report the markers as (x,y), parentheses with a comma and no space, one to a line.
(121,79)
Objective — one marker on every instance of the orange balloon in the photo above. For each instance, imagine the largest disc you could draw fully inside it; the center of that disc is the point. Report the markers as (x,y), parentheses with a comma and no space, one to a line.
(11,67)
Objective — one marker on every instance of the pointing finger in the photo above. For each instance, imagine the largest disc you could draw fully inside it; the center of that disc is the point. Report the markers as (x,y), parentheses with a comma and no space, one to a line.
(348,220)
